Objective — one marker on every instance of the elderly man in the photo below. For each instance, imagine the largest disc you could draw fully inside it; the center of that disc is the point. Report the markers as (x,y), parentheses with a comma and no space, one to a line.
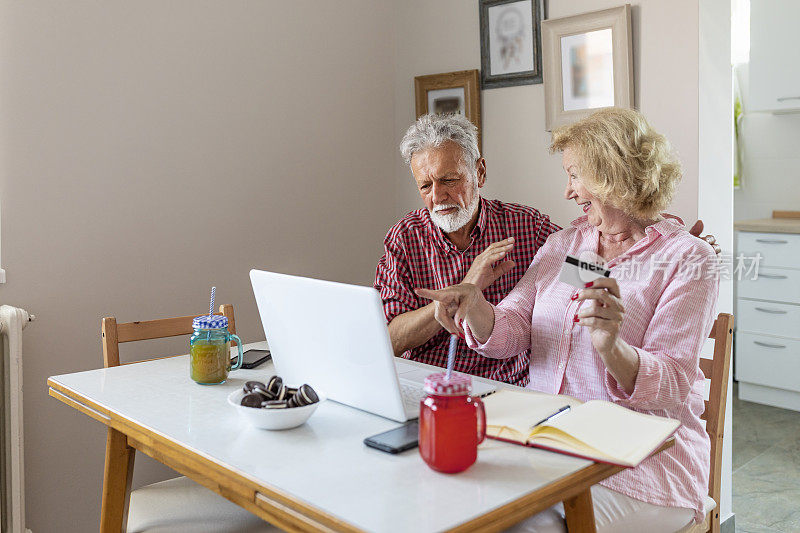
(435,247)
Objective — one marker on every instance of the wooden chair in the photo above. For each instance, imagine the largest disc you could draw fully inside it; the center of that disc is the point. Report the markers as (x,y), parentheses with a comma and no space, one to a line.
(716,370)
(175,504)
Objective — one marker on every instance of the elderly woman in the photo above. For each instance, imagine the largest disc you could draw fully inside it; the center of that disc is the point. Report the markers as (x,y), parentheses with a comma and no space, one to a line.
(633,339)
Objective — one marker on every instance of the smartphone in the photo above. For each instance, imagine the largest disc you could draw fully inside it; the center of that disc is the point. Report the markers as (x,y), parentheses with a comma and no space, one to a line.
(253,358)
(396,440)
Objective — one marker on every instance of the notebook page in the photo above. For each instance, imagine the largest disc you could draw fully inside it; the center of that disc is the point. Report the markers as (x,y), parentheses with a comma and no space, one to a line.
(616,431)
(519,410)
(562,441)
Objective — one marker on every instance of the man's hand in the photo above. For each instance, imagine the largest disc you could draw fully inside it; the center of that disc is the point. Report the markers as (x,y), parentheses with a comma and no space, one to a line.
(453,304)
(482,273)
(697,229)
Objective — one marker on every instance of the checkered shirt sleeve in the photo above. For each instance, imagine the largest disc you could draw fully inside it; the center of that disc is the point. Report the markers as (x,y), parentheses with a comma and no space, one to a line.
(393,280)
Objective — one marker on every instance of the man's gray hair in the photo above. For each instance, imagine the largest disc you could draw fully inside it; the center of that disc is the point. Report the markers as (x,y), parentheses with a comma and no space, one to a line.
(430,131)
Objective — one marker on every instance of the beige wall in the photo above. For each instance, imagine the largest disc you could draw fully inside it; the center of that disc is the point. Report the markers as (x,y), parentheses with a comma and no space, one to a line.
(519,169)
(152,149)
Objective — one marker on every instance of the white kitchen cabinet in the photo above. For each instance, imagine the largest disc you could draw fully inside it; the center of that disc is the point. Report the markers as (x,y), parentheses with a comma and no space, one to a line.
(774,48)
(767,338)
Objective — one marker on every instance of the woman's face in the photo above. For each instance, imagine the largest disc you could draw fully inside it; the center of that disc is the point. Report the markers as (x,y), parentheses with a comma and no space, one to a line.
(605,218)
(577,191)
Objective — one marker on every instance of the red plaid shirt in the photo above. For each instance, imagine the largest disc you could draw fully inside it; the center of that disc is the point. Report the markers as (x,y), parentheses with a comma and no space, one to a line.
(419,255)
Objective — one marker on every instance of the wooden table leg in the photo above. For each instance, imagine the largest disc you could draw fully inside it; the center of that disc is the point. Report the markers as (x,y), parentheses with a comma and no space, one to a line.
(579,512)
(116,483)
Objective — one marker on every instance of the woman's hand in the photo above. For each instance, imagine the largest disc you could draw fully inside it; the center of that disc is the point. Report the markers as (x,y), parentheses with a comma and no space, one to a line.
(482,273)
(453,304)
(603,315)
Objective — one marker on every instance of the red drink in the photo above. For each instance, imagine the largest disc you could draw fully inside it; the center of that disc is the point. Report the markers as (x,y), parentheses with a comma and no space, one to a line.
(449,429)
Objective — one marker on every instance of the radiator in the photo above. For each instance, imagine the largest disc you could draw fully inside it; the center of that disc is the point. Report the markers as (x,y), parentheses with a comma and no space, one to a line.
(12,495)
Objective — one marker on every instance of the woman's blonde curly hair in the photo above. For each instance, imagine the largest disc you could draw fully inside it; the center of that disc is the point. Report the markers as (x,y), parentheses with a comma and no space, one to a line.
(625,162)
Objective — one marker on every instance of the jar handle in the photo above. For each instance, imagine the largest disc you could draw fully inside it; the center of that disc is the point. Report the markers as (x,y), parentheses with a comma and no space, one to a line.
(240,357)
(481,418)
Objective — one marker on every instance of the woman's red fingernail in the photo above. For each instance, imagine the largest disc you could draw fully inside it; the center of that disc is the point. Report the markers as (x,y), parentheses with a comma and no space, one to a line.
(576,319)
(574,296)
(463,338)
(589,284)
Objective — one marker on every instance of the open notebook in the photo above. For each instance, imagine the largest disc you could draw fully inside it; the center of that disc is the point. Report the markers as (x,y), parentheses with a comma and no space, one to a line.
(597,430)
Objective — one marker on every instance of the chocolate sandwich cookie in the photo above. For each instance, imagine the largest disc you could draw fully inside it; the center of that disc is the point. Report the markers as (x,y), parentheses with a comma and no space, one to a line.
(251,385)
(308,394)
(293,402)
(274,385)
(274,404)
(281,395)
(265,394)
(290,392)
(252,399)
(305,395)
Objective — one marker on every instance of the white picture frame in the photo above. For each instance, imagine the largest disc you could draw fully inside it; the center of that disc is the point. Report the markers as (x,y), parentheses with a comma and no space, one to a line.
(587,64)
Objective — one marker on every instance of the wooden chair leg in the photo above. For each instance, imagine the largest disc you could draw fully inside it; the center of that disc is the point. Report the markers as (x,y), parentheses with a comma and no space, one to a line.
(116,483)
(579,513)
(715,525)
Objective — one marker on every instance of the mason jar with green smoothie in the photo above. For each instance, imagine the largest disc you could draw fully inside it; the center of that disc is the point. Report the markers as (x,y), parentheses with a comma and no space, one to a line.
(210,353)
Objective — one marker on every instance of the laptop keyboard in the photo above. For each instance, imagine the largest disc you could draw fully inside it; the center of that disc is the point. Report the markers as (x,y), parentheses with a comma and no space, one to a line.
(412,394)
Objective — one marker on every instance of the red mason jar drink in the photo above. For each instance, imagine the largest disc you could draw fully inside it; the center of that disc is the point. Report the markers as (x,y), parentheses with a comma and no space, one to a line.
(451,423)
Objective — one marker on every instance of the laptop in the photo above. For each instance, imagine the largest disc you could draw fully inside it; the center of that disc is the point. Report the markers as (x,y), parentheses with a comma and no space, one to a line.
(333,336)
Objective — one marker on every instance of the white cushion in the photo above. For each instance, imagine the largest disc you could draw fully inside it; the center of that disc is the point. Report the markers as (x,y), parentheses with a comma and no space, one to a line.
(708,504)
(181,506)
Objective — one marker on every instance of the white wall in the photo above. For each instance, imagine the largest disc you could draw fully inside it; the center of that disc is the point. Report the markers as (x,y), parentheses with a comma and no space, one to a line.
(151,149)
(771,165)
(519,169)
(715,194)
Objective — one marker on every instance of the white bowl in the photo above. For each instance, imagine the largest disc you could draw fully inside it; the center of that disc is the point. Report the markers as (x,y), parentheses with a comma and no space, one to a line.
(291,417)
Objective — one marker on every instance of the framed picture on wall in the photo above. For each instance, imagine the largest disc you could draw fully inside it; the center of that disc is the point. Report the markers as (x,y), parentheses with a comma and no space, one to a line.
(588,64)
(510,43)
(451,92)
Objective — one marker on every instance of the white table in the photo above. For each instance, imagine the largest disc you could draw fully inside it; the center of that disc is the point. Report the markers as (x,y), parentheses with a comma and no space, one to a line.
(320,476)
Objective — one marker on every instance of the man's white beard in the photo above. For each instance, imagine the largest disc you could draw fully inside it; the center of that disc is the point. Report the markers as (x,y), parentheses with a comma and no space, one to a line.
(455,221)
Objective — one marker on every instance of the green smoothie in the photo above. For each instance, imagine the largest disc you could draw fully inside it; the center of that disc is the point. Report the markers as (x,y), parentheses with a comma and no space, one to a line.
(210,361)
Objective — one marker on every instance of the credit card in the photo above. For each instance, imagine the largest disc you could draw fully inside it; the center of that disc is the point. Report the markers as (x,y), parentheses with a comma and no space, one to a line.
(578,273)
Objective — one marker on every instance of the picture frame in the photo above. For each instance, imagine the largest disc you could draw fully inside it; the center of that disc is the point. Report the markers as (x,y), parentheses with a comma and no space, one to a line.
(450,92)
(587,64)
(511,42)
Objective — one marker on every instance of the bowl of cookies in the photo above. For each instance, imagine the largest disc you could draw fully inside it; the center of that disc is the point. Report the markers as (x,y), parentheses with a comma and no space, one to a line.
(275,405)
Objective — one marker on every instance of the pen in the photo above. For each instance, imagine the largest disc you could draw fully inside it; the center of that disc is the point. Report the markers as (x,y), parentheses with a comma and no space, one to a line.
(551,417)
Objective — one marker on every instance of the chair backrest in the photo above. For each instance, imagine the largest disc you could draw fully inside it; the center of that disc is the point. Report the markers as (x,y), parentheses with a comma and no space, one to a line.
(113,334)
(716,370)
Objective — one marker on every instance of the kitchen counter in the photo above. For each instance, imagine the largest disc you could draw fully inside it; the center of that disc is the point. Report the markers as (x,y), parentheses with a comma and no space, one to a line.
(769,225)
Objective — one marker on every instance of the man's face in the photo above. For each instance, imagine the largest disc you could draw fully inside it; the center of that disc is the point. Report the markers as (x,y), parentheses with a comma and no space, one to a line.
(448,186)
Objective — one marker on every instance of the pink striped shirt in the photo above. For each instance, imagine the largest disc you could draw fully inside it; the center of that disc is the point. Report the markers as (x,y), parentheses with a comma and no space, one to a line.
(669,293)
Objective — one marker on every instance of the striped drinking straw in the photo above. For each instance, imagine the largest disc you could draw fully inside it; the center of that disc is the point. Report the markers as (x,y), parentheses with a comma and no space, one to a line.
(451,356)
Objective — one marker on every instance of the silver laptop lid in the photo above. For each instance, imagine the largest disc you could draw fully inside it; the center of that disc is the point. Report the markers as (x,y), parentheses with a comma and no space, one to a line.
(332,336)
